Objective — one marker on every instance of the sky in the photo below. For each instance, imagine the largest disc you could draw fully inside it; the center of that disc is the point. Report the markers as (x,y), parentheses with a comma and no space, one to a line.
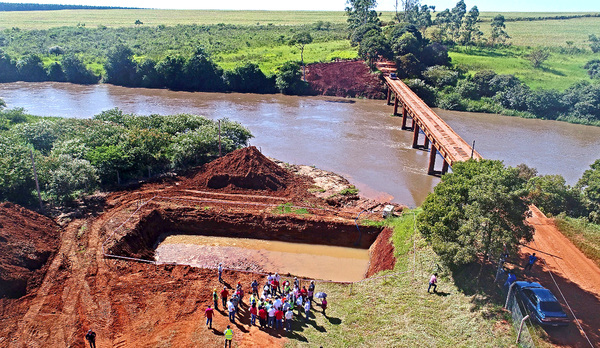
(337,5)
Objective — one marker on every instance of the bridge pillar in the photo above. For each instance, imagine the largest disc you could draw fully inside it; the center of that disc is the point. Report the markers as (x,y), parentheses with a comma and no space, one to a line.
(396,106)
(415,143)
(445,167)
(404,115)
(389,95)
(426,144)
(432,156)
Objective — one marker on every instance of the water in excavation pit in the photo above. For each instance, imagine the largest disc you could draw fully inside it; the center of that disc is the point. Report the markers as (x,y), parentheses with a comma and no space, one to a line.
(303,260)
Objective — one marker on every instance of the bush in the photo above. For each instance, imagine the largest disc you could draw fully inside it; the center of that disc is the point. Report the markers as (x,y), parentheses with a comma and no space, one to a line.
(424,91)
(288,79)
(249,79)
(440,76)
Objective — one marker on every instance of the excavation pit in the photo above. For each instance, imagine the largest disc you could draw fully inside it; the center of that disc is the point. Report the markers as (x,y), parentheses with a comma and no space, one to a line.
(305,246)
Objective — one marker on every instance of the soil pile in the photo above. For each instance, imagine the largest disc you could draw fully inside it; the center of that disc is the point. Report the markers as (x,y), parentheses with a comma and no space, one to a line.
(246,168)
(345,79)
(27,241)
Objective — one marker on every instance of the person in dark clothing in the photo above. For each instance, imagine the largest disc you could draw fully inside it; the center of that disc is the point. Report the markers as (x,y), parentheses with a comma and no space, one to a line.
(90,336)
(532,259)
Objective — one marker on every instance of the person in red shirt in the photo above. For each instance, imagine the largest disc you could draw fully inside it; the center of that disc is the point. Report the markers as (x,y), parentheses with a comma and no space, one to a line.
(208,313)
(279,319)
(262,317)
(224,295)
(304,292)
(253,313)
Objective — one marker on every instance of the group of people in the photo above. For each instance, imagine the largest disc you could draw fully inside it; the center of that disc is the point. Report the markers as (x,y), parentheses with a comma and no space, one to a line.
(273,303)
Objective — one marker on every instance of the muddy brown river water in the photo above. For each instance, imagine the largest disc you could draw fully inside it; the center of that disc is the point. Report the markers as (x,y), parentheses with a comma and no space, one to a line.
(355,138)
(303,260)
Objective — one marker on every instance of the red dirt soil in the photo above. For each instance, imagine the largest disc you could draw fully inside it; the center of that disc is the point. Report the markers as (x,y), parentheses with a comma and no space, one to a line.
(137,304)
(27,241)
(382,253)
(576,276)
(345,79)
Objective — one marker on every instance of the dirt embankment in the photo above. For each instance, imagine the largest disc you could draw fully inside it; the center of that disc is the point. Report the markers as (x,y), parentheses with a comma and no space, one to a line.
(382,253)
(345,79)
(131,304)
(27,241)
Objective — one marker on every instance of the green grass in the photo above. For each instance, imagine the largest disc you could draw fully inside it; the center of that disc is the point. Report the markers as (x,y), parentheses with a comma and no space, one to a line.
(585,235)
(397,311)
(550,33)
(271,58)
(558,72)
(127,18)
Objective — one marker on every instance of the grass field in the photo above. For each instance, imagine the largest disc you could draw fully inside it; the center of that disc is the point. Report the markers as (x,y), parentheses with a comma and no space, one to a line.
(558,72)
(585,235)
(397,311)
(121,18)
(271,58)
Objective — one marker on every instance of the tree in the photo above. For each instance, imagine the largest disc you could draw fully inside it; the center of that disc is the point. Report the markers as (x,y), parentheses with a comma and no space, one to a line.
(288,79)
(373,46)
(589,185)
(361,12)
(593,68)
(248,79)
(594,43)
(538,56)
(300,40)
(70,177)
(476,210)
(119,67)
(456,19)
(498,36)
(469,31)
(76,71)
(552,195)
(201,73)
(2,104)
(31,68)
(138,22)
(56,72)
(170,70)
(8,68)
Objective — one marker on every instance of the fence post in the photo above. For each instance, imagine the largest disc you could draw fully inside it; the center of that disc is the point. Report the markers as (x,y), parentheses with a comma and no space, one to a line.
(521,328)
(510,290)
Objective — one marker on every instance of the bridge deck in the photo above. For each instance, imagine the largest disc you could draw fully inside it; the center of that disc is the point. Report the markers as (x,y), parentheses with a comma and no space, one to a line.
(450,145)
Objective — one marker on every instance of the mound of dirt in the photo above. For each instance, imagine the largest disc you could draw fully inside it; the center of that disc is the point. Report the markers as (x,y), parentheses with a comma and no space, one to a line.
(345,79)
(245,168)
(27,241)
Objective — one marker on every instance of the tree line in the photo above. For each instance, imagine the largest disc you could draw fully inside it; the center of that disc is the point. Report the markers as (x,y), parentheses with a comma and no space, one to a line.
(194,73)
(8,6)
(480,208)
(74,157)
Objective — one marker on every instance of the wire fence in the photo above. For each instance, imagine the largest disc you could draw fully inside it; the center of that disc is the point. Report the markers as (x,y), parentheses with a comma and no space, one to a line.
(524,338)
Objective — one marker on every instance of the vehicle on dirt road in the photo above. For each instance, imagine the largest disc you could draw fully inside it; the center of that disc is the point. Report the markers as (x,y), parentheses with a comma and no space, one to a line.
(541,304)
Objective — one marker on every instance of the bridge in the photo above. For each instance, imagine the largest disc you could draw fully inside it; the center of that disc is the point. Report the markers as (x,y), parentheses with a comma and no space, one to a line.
(438,134)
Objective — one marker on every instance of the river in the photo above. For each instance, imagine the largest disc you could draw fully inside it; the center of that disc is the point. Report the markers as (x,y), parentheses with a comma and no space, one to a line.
(356,138)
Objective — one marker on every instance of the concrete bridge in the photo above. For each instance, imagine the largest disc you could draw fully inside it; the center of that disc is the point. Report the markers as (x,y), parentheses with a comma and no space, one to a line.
(438,134)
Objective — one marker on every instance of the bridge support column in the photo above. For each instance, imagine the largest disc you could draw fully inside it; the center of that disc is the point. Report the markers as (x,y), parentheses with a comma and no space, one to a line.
(404,112)
(426,144)
(445,167)
(389,95)
(415,143)
(396,106)
(432,156)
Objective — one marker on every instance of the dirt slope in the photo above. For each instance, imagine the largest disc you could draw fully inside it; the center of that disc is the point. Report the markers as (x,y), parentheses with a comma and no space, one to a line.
(345,79)
(577,277)
(27,241)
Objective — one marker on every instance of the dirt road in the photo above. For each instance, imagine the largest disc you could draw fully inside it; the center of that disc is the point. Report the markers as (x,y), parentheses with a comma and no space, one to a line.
(572,277)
